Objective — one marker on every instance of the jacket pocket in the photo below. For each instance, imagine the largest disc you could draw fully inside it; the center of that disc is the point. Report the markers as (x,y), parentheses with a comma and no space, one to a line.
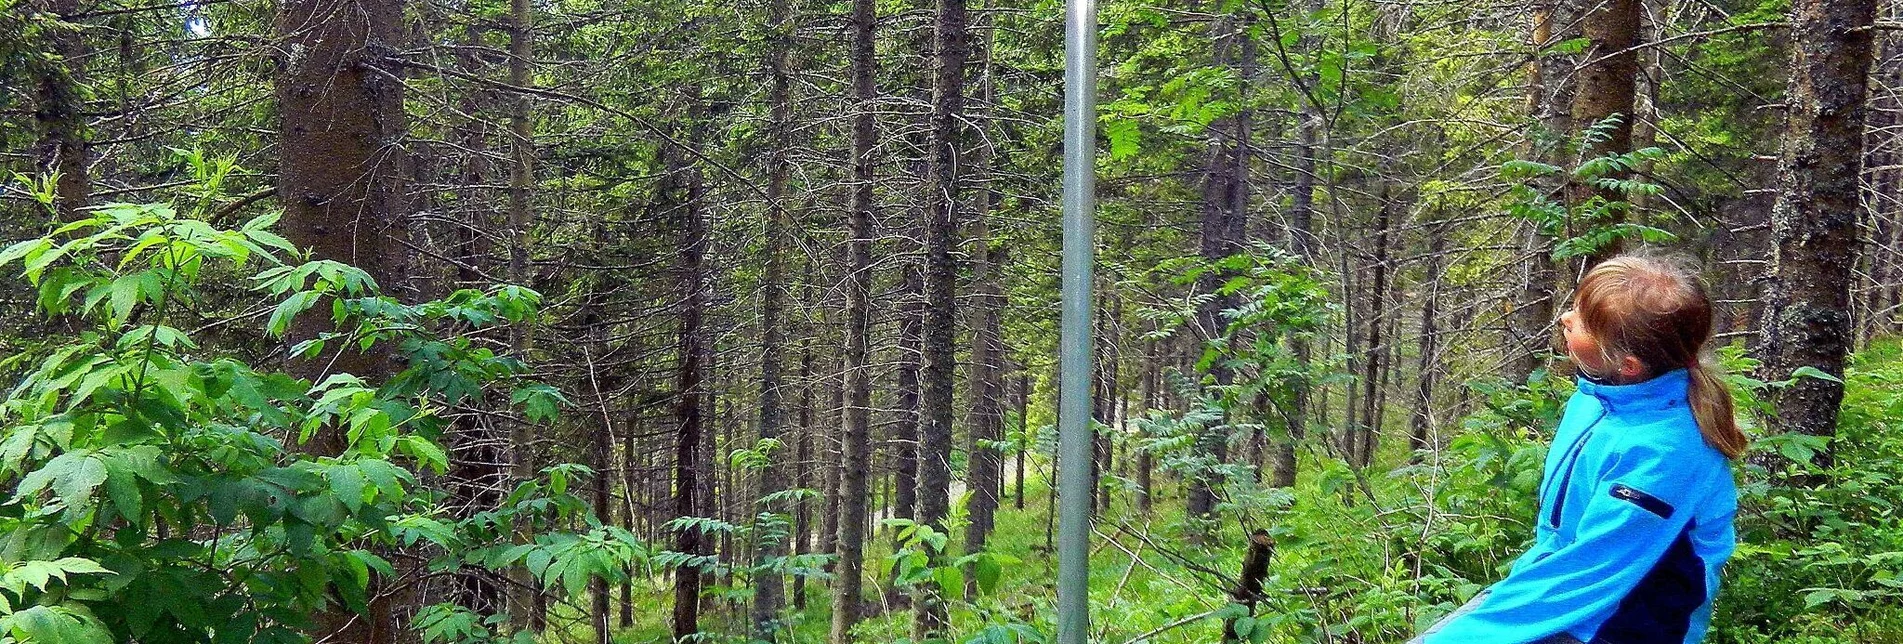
(1639,498)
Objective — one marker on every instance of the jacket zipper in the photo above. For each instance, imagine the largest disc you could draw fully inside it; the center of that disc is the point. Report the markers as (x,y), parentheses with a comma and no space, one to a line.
(1571,460)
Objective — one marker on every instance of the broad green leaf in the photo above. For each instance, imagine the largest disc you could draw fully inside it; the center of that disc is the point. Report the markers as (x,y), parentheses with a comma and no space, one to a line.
(281,317)
(1808,371)
(987,571)
(347,482)
(951,580)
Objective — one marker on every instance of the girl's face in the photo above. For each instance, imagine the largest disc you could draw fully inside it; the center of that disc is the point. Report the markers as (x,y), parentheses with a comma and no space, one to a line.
(1580,344)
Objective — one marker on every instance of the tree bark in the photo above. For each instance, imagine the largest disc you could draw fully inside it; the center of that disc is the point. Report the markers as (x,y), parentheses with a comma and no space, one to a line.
(768,585)
(857,440)
(1607,86)
(528,603)
(632,486)
(340,181)
(942,176)
(1550,91)
(803,471)
(1145,462)
(1377,351)
(986,422)
(59,111)
(1025,440)
(1304,244)
(1423,422)
(1224,193)
(902,448)
(1814,219)
(600,455)
(479,458)
(692,355)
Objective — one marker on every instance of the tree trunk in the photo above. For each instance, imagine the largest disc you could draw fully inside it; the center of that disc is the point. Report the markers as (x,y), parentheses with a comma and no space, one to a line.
(716,483)
(803,471)
(600,457)
(1025,440)
(768,586)
(340,177)
(856,436)
(693,353)
(1814,220)
(529,610)
(340,181)
(478,443)
(1145,467)
(1351,348)
(1606,90)
(1303,243)
(1429,347)
(830,465)
(942,176)
(902,449)
(1100,383)
(632,486)
(1224,192)
(1550,91)
(1377,351)
(59,111)
(986,422)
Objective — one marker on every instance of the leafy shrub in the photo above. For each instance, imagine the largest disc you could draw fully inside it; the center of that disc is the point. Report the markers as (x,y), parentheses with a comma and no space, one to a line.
(1822,563)
(162,492)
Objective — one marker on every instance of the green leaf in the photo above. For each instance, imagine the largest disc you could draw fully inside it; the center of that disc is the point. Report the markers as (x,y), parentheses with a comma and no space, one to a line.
(67,473)
(25,249)
(288,309)
(1567,47)
(951,580)
(80,565)
(123,490)
(987,571)
(50,625)
(1244,626)
(540,402)
(1125,135)
(347,482)
(1808,371)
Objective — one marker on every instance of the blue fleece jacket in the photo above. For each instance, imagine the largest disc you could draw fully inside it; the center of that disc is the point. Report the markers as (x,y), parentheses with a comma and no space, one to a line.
(1634,525)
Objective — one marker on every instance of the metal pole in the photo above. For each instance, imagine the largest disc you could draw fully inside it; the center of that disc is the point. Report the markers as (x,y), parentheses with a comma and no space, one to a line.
(1073,412)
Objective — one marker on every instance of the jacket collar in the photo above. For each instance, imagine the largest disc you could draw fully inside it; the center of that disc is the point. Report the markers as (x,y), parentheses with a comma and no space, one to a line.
(1665,390)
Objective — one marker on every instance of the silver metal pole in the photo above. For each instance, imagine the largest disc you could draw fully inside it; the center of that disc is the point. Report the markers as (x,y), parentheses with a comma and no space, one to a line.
(1073,411)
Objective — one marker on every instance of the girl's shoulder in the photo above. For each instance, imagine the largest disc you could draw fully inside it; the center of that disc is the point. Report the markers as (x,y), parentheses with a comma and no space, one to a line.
(1669,433)
(1668,457)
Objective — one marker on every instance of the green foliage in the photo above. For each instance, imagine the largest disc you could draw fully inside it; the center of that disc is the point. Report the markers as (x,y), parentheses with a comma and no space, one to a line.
(1277,300)
(1597,222)
(164,493)
(915,563)
(1821,546)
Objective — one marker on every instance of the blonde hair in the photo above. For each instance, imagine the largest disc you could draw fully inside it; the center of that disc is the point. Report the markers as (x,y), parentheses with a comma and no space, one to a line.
(1655,309)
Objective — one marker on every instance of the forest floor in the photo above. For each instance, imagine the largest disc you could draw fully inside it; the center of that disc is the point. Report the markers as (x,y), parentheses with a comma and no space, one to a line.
(1144,583)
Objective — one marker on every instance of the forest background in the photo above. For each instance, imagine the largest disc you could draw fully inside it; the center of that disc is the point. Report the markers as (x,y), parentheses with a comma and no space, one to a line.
(592,320)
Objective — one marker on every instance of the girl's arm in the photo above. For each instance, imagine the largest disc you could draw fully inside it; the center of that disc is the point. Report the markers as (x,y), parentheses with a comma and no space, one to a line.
(1639,506)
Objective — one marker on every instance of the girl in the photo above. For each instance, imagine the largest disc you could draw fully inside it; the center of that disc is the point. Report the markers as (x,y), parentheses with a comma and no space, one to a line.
(1637,499)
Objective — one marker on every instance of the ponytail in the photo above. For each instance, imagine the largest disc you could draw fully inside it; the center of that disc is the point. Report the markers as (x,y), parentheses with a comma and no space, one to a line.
(1711,405)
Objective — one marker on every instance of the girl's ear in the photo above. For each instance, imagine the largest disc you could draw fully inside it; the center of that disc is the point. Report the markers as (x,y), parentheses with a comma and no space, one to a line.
(1630,369)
